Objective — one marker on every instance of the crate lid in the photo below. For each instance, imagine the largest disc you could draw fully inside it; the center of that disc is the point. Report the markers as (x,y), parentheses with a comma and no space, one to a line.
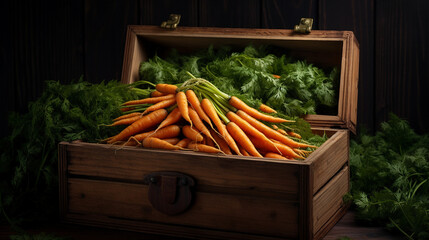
(323,48)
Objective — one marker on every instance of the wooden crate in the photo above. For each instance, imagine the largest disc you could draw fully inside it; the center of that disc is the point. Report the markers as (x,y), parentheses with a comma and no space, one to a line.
(226,197)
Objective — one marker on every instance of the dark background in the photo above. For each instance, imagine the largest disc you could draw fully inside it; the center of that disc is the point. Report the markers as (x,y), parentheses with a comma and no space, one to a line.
(63,40)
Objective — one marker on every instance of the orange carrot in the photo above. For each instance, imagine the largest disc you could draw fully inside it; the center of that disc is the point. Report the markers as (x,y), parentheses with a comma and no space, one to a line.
(169,131)
(166,88)
(172,118)
(237,103)
(246,126)
(266,109)
(196,105)
(294,134)
(209,141)
(221,142)
(285,150)
(198,124)
(140,125)
(126,109)
(127,116)
(151,142)
(274,155)
(191,133)
(276,76)
(157,93)
(182,104)
(203,148)
(159,105)
(173,141)
(149,100)
(125,121)
(243,151)
(183,143)
(209,109)
(240,137)
(271,133)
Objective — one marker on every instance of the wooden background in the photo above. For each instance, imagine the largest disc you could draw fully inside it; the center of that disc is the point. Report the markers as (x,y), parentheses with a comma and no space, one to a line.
(63,40)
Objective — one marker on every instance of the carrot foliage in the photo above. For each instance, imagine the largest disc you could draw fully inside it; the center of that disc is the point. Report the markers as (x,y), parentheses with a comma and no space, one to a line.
(250,74)
(29,159)
(389,176)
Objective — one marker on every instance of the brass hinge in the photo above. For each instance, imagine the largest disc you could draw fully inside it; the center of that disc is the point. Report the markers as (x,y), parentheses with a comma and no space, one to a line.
(172,22)
(304,26)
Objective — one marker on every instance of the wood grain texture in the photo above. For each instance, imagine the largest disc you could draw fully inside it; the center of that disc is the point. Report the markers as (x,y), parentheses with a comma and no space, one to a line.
(402,57)
(287,14)
(154,12)
(229,13)
(105,32)
(356,16)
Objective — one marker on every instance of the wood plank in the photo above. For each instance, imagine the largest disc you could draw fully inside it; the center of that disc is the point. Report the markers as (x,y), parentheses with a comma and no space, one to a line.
(330,200)
(227,212)
(329,158)
(232,13)
(154,12)
(262,176)
(401,62)
(287,14)
(105,32)
(357,16)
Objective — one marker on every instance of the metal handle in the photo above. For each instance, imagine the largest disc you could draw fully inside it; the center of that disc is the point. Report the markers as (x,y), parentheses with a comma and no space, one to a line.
(169,192)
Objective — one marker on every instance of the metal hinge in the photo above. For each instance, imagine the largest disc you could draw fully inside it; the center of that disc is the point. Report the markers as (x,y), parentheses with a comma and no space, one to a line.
(304,26)
(172,22)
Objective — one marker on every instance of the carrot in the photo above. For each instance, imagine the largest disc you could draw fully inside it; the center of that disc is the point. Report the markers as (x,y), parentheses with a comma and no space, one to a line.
(160,105)
(172,118)
(125,121)
(237,103)
(152,142)
(156,93)
(191,133)
(203,148)
(173,141)
(149,100)
(266,109)
(169,131)
(221,142)
(294,134)
(285,150)
(184,142)
(140,125)
(209,141)
(209,109)
(182,104)
(242,139)
(126,109)
(274,155)
(243,151)
(127,116)
(246,126)
(196,105)
(166,88)
(271,133)
(198,124)
(276,76)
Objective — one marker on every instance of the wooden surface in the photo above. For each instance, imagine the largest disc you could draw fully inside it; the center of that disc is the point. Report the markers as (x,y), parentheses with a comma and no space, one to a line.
(65,40)
(274,198)
(347,226)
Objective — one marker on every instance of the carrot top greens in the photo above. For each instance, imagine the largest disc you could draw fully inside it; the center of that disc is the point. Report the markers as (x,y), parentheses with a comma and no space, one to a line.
(254,74)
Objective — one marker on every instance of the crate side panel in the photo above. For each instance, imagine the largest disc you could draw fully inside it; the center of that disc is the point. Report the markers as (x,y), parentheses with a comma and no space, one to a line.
(329,158)
(228,212)
(132,164)
(330,199)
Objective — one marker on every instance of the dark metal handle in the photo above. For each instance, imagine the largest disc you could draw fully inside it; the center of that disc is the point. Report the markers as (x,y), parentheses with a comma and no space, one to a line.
(169,192)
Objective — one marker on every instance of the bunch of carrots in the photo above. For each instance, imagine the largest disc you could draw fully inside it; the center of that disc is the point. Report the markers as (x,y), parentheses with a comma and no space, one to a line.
(197,116)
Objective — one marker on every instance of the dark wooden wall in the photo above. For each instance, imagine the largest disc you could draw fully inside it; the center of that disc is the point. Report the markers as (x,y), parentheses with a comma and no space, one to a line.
(63,40)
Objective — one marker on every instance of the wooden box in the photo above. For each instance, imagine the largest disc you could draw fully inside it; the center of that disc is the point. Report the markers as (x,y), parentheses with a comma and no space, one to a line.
(223,197)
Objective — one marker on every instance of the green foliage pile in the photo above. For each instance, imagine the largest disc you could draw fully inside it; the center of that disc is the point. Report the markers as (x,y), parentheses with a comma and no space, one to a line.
(29,158)
(389,178)
(249,74)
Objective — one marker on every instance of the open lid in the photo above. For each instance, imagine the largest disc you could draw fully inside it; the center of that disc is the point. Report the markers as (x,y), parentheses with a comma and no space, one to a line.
(322,48)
